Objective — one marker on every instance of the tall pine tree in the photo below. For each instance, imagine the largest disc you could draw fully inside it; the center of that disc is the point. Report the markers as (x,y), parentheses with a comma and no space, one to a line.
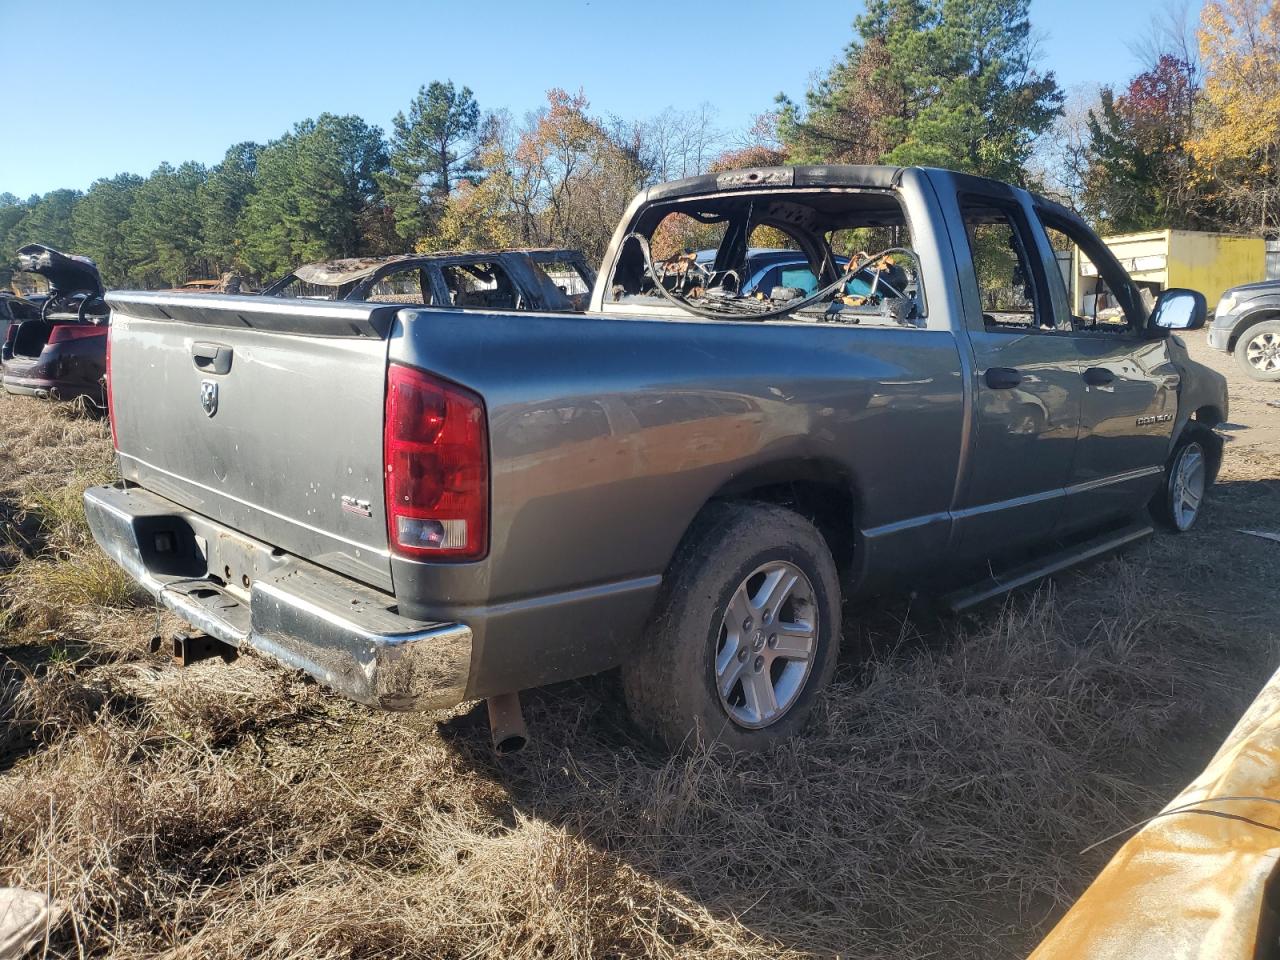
(433,147)
(942,83)
(317,195)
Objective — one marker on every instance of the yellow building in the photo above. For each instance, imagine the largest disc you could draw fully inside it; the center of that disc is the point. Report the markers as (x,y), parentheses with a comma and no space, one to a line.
(1159,259)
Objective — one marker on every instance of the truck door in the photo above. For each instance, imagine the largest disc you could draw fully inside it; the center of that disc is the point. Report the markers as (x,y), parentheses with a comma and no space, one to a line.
(1028,394)
(1130,383)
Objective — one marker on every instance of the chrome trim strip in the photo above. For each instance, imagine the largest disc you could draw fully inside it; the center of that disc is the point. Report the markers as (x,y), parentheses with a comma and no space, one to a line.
(1095,484)
(910,523)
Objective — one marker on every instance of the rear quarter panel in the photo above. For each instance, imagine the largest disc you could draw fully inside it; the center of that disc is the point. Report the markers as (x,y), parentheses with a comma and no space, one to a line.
(608,435)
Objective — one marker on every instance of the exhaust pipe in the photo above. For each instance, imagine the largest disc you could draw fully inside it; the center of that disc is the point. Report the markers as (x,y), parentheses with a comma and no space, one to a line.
(506,724)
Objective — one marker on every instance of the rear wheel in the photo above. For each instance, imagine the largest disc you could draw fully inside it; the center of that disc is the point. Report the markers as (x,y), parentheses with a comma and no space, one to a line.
(1187,477)
(745,633)
(1258,350)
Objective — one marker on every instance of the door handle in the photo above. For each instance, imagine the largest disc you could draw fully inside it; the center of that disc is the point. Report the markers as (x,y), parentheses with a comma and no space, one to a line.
(1002,378)
(1098,376)
(211,357)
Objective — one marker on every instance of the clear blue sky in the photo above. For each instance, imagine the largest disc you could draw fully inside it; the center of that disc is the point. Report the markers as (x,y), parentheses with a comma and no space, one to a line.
(180,81)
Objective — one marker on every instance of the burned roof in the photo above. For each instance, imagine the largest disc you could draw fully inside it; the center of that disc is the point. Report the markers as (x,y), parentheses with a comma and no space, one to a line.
(66,273)
(336,273)
(826,175)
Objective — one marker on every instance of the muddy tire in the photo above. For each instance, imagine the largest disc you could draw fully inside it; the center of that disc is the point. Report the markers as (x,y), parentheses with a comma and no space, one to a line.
(744,635)
(1187,477)
(1257,351)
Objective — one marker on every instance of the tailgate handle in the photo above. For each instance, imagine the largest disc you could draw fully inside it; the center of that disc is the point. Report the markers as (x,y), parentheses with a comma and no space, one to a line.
(212,357)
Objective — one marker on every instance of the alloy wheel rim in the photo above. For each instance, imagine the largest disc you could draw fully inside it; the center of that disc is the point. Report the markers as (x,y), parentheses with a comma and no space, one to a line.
(1188,486)
(1263,352)
(766,645)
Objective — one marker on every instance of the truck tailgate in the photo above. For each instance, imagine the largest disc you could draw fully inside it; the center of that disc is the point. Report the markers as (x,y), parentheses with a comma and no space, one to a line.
(263,414)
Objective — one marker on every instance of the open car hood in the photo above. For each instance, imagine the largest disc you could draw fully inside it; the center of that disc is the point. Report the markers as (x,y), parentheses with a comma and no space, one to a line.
(66,273)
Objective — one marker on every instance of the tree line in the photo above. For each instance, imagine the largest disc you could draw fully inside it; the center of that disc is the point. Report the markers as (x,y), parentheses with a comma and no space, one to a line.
(1192,141)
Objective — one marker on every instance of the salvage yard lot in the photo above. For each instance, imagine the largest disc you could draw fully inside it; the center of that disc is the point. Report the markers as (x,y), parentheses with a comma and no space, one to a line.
(937,807)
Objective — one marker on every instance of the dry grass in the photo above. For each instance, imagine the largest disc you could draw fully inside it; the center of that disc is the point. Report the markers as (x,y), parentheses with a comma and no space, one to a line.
(936,808)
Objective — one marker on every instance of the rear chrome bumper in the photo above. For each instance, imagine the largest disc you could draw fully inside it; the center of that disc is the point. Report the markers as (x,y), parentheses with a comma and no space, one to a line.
(346,635)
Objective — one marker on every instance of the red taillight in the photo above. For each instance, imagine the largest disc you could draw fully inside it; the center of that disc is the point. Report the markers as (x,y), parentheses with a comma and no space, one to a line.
(63,332)
(111,407)
(436,458)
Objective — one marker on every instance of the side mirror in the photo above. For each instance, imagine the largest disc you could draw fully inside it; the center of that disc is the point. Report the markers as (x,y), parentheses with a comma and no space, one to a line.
(1178,309)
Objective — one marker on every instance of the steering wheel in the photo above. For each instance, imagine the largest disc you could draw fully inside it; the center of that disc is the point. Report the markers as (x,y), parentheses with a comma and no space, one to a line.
(84,304)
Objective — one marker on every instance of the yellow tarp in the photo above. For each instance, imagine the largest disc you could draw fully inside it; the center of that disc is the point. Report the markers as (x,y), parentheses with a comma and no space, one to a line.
(1191,883)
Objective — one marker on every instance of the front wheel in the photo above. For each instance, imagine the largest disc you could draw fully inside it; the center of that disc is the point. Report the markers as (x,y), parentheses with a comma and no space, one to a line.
(1187,476)
(745,633)
(1258,351)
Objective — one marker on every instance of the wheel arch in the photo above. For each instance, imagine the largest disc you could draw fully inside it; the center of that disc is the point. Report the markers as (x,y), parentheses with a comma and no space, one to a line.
(1203,420)
(822,491)
(1270,311)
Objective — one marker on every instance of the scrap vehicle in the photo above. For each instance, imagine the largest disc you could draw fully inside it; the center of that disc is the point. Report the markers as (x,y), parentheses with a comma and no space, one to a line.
(229,282)
(60,351)
(1246,324)
(424,505)
(530,279)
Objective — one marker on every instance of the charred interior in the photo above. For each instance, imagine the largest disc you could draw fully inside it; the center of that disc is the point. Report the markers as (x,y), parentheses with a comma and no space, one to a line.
(821,255)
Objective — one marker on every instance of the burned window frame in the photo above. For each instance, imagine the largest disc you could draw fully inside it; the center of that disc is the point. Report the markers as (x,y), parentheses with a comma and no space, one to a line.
(627,268)
(1020,225)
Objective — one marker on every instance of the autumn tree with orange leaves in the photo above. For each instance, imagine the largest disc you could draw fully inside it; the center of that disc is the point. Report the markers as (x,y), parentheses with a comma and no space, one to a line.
(1238,144)
(561,178)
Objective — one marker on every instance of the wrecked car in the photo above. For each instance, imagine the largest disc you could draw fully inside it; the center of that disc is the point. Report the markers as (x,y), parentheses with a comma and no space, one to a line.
(424,505)
(61,352)
(557,281)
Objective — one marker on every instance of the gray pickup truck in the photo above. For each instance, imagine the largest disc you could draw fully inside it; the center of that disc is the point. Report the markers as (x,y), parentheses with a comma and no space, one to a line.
(421,506)
(1246,323)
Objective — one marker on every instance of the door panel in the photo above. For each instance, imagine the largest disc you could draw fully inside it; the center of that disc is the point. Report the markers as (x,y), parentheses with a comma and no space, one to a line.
(1130,399)
(1027,391)
(1024,441)
(1125,425)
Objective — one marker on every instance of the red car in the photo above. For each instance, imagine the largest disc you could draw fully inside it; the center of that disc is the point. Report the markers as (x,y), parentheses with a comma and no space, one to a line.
(61,354)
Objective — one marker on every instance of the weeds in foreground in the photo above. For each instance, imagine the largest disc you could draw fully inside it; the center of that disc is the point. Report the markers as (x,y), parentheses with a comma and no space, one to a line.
(942,795)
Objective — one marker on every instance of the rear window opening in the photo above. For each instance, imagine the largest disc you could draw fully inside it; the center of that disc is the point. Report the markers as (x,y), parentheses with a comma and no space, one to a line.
(31,338)
(801,255)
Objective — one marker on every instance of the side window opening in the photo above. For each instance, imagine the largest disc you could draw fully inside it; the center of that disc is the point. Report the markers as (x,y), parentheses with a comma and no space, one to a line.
(298,289)
(1088,281)
(570,279)
(404,286)
(567,277)
(484,285)
(1003,266)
